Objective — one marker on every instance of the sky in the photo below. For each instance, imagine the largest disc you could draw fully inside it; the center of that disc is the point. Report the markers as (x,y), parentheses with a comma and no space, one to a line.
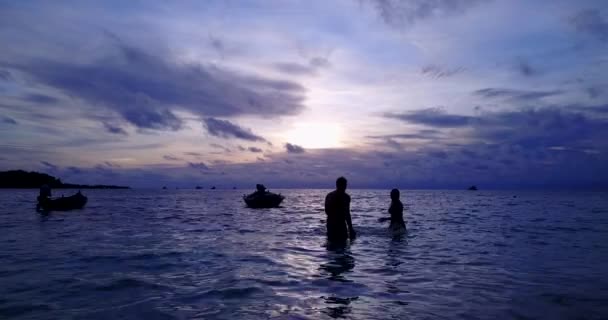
(408,94)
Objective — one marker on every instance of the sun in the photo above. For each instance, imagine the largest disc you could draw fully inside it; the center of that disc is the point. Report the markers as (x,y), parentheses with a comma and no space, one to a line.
(315,135)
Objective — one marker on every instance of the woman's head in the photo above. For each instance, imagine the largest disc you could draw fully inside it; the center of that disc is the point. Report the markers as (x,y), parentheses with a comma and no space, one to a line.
(395,194)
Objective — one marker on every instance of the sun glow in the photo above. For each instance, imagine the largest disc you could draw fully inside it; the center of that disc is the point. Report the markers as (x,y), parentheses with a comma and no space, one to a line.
(315,135)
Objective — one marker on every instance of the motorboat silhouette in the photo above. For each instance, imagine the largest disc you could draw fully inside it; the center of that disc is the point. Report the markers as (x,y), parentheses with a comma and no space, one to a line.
(263,198)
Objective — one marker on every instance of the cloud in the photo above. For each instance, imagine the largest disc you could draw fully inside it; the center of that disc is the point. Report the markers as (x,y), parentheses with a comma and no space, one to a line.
(391,143)
(152,119)
(292,148)
(594,92)
(8,120)
(74,170)
(49,165)
(403,13)
(193,154)
(171,158)
(255,149)
(592,22)
(297,69)
(528,128)
(438,72)
(114,129)
(40,98)
(5,75)
(598,109)
(518,95)
(226,129)
(434,117)
(540,127)
(146,90)
(221,147)
(109,164)
(319,62)
(198,165)
(420,134)
(218,45)
(525,69)
(291,68)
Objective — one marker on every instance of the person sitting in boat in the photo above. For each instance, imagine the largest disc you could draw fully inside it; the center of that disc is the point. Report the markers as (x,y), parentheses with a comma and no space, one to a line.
(260,189)
(396,211)
(44,195)
(337,208)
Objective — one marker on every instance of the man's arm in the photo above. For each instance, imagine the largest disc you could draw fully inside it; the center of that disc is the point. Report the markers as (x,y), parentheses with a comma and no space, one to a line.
(349,222)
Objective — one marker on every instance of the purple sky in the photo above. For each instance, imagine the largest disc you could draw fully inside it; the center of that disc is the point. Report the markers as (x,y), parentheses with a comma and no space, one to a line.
(408,94)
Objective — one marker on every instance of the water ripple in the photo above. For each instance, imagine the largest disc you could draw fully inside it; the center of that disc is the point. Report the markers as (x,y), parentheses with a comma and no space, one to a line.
(180,254)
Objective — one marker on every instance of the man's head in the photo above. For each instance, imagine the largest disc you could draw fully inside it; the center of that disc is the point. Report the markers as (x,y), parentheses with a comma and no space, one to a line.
(341,184)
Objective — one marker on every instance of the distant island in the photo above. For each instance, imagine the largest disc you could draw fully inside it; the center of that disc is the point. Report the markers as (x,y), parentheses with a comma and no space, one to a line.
(19,179)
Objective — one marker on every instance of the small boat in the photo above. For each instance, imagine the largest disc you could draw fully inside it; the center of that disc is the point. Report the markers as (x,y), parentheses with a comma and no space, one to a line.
(473,188)
(263,198)
(76,201)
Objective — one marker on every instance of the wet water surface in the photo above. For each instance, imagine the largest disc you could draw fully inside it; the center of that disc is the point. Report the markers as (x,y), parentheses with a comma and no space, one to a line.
(201,254)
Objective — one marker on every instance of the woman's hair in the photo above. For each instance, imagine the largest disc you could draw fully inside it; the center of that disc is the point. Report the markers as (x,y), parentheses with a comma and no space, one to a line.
(395,194)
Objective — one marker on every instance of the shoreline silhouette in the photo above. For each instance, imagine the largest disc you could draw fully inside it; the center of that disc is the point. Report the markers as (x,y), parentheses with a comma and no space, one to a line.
(20,179)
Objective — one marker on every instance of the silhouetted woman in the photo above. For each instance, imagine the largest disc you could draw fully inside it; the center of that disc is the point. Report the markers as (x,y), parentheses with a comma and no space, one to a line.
(397,225)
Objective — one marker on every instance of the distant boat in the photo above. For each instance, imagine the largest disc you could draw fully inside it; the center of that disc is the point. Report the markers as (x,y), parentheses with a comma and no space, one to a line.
(165,188)
(198,188)
(233,188)
(76,201)
(213,188)
(263,198)
(473,188)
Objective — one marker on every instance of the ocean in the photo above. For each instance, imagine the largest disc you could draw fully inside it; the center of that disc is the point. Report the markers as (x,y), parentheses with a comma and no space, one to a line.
(201,254)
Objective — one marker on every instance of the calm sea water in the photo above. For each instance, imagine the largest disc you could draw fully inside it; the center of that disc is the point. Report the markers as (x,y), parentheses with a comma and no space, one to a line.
(188,254)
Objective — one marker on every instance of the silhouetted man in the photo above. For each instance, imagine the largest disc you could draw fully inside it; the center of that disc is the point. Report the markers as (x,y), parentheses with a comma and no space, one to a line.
(337,208)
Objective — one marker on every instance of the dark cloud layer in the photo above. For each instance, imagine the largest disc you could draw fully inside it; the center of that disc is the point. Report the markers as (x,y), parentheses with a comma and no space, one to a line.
(146,90)
(439,72)
(198,165)
(435,117)
(421,134)
(255,149)
(169,157)
(48,165)
(40,98)
(8,120)
(402,13)
(226,129)
(528,147)
(114,129)
(528,128)
(515,95)
(293,148)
